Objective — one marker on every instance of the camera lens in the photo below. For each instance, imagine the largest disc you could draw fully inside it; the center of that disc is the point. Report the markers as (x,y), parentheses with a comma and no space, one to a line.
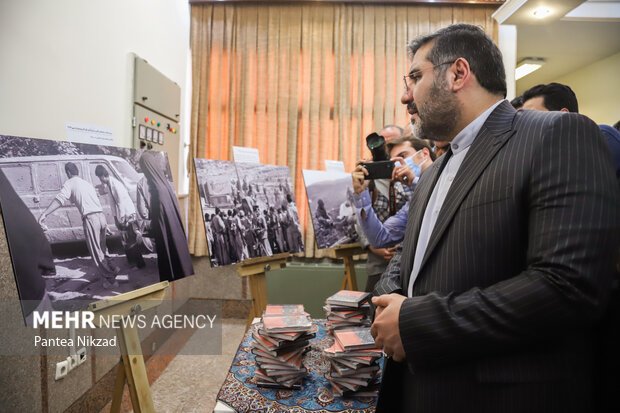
(376,144)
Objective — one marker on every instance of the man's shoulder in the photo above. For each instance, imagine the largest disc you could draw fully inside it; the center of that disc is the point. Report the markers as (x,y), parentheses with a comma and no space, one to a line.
(533,126)
(538,118)
(525,116)
(609,132)
(74,182)
(115,181)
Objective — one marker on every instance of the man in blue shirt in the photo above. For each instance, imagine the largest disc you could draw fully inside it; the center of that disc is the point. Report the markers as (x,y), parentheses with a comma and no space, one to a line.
(388,198)
(391,231)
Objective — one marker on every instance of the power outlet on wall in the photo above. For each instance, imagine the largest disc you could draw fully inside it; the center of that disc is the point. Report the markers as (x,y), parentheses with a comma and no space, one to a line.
(73,361)
(81,354)
(62,368)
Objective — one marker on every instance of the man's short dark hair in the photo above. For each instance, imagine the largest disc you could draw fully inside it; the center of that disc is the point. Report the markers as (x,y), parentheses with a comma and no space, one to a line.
(72,169)
(101,171)
(416,143)
(471,43)
(517,102)
(555,96)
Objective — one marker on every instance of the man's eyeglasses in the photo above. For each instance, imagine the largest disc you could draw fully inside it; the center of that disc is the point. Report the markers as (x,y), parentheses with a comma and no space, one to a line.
(415,75)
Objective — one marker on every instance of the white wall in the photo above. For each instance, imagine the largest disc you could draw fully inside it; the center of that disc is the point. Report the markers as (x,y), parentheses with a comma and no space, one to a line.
(507,43)
(597,87)
(70,60)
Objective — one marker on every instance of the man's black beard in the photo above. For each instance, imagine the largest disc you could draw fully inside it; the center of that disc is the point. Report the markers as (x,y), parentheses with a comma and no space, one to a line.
(438,116)
(417,132)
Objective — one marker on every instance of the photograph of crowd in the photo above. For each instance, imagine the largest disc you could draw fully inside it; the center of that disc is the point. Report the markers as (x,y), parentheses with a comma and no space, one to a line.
(88,222)
(249,210)
(330,198)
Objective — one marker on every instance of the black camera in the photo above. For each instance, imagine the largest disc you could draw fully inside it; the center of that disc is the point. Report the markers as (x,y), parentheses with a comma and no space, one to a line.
(376,144)
(381,167)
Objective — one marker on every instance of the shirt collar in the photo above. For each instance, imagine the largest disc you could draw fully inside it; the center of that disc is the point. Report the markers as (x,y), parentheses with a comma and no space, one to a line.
(465,137)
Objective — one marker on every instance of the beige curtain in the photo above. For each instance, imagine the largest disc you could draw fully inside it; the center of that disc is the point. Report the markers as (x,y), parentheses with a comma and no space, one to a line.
(302,83)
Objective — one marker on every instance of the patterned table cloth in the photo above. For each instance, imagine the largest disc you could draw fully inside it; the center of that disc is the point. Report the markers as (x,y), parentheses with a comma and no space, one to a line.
(241,393)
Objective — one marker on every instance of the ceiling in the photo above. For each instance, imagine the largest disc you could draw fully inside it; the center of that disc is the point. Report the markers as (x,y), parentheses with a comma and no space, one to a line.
(566,46)
(581,33)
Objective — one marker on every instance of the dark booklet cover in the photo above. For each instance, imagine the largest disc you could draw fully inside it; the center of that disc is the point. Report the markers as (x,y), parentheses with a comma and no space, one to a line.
(292,336)
(283,358)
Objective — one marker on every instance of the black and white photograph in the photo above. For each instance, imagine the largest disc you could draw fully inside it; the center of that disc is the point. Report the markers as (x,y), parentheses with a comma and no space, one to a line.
(88,222)
(330,198)
(249,210)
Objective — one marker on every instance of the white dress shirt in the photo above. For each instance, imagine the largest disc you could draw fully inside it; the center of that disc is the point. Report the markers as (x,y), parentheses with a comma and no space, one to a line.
(459,146)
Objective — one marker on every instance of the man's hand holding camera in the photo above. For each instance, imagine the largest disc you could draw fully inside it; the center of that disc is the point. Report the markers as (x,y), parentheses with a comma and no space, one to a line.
(402,173)
(360,183)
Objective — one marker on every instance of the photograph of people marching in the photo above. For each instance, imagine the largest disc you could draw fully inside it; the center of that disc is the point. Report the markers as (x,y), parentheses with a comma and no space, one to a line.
(249,210)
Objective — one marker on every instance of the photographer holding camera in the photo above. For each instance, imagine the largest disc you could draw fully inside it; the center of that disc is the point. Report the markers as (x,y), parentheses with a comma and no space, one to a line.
(387,198)
(413,157)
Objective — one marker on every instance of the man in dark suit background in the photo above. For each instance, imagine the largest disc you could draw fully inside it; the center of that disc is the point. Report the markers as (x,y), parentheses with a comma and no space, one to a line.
(508,256)
(556,96)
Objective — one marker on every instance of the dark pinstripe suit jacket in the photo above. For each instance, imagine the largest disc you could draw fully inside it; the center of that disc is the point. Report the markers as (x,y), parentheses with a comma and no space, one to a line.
(517,271)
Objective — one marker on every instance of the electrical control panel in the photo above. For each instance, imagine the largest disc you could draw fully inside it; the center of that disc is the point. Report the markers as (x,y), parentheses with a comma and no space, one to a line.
(156,114)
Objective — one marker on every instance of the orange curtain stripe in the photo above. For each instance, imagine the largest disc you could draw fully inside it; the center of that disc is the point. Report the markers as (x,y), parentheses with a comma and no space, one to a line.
(302,83)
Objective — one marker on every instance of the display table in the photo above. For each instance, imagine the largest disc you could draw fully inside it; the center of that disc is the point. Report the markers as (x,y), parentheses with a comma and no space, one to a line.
(239,393)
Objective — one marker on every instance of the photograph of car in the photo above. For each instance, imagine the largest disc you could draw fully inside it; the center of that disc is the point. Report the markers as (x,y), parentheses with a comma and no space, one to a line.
(88,222)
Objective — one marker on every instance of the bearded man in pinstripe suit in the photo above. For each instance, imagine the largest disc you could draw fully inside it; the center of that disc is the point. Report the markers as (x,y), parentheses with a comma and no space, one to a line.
(507,263)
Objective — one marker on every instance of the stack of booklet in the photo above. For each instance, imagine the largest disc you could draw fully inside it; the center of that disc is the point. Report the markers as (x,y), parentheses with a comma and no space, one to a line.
(354,363)
(347,309)
(279,346)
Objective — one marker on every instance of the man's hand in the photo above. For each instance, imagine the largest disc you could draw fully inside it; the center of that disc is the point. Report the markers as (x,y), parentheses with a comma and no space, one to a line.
(358,174)
(385,328)
(41,222)
(385,253)
(402,173)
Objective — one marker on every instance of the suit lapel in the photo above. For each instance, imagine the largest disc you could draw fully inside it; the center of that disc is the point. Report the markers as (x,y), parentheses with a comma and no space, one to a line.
(421,196)
(491,138)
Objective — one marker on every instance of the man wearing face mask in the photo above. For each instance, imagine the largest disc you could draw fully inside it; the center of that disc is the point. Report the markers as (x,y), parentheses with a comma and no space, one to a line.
(387,198)
(413,157)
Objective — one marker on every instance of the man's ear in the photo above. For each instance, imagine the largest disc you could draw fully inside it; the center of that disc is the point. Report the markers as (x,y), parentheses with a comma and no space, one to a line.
(564,110)
(459,74)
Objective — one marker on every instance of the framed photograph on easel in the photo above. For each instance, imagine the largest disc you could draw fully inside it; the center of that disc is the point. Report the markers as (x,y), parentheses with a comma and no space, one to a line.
(88,222)
(249,210)
(330,200)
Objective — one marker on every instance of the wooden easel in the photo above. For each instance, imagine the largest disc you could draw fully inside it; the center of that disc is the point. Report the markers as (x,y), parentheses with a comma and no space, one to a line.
(346,252)
(131,369)
(255,269)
